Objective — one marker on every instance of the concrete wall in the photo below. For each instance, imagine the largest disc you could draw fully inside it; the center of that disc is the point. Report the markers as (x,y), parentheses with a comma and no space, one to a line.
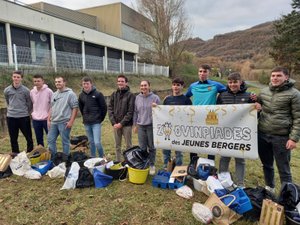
(18,15)
(109,18)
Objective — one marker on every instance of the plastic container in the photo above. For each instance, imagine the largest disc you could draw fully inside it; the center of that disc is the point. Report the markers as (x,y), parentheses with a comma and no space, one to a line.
(213,184)
(161,180)
(200,185)
(242,203)
(137,176)
(176,184)
(34,159)
(90,164)
(116,171)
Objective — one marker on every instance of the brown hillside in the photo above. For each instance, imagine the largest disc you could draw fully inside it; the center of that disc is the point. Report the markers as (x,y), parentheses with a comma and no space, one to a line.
(235,45)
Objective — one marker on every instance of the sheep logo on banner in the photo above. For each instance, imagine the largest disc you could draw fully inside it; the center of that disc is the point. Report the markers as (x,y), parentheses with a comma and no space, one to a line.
(167,130)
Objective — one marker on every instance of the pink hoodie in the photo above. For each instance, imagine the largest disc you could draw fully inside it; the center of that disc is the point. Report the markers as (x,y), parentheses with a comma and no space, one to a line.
(41,102)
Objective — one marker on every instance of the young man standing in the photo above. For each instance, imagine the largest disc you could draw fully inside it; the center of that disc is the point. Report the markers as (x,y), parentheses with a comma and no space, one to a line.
(278,126)
(204,92)
(64,108)
(93,110)
(236,94)
(41,97)
(120,111)
(177,98)
(19,107)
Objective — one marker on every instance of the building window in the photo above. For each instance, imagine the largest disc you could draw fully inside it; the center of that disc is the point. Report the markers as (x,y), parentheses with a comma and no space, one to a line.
(20,37)
(33,47)
(2,34)
(128,56)
(64,44)
(3,47)
(114,53)
(94,50)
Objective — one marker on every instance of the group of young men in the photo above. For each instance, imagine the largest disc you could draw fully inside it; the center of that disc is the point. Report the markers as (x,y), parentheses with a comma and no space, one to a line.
(278,106)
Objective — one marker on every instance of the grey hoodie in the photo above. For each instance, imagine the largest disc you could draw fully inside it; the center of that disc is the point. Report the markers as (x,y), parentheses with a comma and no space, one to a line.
(18,101)
(62,104)
(143,108)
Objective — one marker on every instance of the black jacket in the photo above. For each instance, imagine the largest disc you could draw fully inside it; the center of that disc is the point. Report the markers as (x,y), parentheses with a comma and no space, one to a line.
(121,107)
(241,97)
(92,106)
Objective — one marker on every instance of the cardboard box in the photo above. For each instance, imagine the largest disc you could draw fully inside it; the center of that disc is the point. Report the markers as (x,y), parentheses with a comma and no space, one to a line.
(4,161)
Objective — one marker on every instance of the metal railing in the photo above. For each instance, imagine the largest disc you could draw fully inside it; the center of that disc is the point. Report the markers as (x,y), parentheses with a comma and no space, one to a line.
(42,58)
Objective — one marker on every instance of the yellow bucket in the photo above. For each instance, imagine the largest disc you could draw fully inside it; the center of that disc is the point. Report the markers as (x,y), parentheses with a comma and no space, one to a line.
(35,159)
(137,176)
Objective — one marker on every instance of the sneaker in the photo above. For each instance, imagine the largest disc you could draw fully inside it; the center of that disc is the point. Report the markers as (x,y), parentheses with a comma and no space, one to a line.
(152,170)
(268,188)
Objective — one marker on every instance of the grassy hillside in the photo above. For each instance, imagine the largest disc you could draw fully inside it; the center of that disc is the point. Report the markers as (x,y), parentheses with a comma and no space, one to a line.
(235,45)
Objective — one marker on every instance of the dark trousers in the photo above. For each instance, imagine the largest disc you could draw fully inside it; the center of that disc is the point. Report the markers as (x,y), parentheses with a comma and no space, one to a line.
(39,127)
(16,124)
(272,147)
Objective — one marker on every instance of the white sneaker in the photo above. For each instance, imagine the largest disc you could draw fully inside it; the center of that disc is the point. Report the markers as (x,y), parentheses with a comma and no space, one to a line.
(152,170)
(268,188)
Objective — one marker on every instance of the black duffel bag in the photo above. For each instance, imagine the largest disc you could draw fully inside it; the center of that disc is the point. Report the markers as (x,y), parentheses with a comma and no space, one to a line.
(136,158)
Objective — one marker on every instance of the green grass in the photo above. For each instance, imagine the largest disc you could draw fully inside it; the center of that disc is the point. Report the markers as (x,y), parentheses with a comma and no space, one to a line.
(26,201)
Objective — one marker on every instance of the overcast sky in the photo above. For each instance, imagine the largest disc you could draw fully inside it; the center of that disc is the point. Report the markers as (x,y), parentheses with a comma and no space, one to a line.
(207,17)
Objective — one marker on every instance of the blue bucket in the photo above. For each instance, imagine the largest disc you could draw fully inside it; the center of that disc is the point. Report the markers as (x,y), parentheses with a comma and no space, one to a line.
(241,203)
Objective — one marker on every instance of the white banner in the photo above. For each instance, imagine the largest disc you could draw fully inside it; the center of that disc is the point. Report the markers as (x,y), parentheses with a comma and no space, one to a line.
(226,130)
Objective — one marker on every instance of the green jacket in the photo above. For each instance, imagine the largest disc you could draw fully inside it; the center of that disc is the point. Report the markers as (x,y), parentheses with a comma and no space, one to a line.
(280,113)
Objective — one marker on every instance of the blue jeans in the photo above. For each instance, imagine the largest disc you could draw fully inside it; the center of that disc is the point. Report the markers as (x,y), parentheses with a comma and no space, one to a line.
(272,147)
(145,136)
(55,130)
(93,131)
(39,127)
(167,157)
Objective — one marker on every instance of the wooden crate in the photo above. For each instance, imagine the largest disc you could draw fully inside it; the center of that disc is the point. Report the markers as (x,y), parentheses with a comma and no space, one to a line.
(271,213)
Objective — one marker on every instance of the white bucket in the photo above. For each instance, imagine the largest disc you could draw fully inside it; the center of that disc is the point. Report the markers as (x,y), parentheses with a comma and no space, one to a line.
(90,164)
(200,185)
(213,184)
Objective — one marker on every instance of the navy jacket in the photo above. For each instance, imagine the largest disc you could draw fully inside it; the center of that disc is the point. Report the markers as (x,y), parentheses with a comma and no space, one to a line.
(92,106)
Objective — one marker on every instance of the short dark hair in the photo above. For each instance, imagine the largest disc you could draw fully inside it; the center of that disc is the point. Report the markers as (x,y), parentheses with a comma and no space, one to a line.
(19,72)
(86,79)
(38,76)
(177,80)
(64,80)
(234,76)
(205,66)
(123,76)
(284,70)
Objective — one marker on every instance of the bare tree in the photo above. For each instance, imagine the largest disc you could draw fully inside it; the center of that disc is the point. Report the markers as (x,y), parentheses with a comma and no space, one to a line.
(166,30)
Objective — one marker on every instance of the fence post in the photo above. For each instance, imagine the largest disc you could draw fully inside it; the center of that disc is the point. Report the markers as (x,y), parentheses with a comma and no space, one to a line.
(83,55)
(153,69)
(133,67)
(103,62)
(144,68)
(121,66)
(15,56)
(3,127)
